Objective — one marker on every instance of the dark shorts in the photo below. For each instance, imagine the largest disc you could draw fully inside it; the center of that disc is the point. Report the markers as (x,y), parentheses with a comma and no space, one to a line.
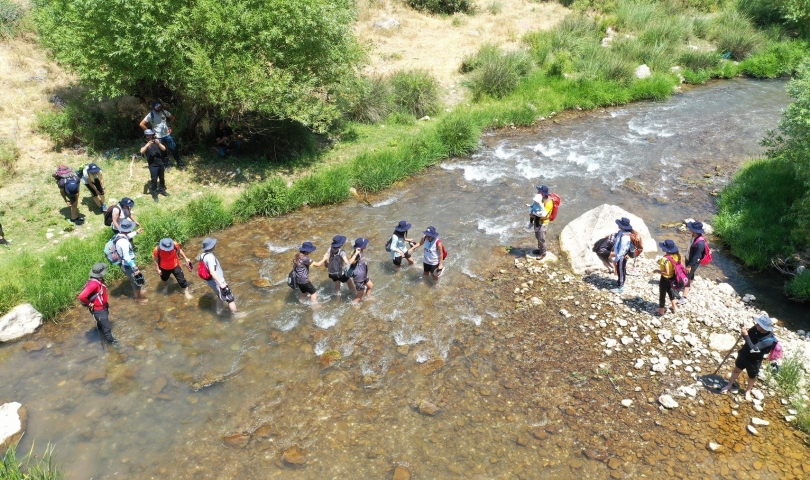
(338,278)
(750,365)
(692,273)
(430,268)
(361,285)
(398,260)
(97,184)
(72,198)
(178,274)
(307,288)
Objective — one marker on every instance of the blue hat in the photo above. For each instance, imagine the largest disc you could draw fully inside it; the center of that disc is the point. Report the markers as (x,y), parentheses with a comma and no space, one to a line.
(696,227)
(126,226)
(156,104)
(208,244)
(307,247)
(431,232)
(338,241)
(167,244)
(360,243)
(93,168)
(668,246)
(624,224)
(542,189)
(403,226)
(127,202)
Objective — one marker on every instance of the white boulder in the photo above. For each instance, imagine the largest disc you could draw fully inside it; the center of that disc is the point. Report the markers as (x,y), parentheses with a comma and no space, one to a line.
(578,237)
(13,419)
(22,320)
(643,71)
(726,289)
(758,422)
(386,23)
(722,342)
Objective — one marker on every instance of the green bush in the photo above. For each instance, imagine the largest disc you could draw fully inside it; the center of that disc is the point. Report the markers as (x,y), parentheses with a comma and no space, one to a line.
(539,43)
(11,13)
(401,118)
(779,59)
(29,468)
(56,125)
(366,100)
(270,198)
(325,187)
(698,59)
(798,288)
(735,35)
(9,154)
(790,374)
(416,92)
(497,73)
(458,134)
(696,77)
(442,7)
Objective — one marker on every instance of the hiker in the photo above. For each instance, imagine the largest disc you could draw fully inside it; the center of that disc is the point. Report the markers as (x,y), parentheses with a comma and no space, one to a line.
(603,248)
(217,277)
(621,249)
(759,341)
(158,120)
(94,296)
(360,270)
(226,141)
(69,187)
(301,264)
(697,250)
(433,262)
(167,262)
(3,240)
(126,253)
(542,217)
(399,244)
(535,208)
(93,179)
(337,263)
(667,271)
(119,213)
(154,150)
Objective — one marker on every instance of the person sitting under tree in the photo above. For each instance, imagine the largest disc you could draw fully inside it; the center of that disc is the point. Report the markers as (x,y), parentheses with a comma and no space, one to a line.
(226,140)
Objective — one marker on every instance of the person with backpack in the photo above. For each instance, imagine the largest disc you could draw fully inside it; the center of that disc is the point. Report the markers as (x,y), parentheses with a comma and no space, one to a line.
(435,253)
(118,213)
(360,271)
(93,179)
(694,258)
(95,297)
(669,264)
(759,341)
(542,217)
(226,140)
(126,255)
(301,264)
(621,249)
(167,262)
(398,244)
(211,271)
(158,120)
(69,186)
(603,248)
(154,151)
(337,262)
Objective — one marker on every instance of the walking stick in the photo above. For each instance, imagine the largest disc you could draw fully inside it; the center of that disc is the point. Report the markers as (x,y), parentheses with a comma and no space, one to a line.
(727,355)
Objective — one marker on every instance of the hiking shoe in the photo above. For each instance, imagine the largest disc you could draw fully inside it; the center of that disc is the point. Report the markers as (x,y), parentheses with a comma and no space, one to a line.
(683,301)
(104,208)
(155,197)
(164,193)
(616,290)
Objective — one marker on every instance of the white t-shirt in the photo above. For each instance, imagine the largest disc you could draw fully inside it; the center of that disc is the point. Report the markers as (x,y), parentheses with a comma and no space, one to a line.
(213,266)
(159,121)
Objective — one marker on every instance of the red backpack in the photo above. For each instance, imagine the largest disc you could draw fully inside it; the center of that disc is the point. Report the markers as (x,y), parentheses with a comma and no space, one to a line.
(202,269)
(707,255)
(444,250)
(556,200)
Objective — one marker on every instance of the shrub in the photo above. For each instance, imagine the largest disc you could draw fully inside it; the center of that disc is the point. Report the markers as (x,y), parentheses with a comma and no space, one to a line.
(458,134)
(416,92)
(497,73)
(574,33)
(28,468)
(366,100)
(269,198)
(325,187)
(9,154)
(442,7)
(56,125)
(635,15)
(790,374)
(696,77)
(603,63)
(401,118)
(701,26)
(798,288)
(698,59)
(779,59)
(667,31)
(539,43)
(11,13)
(494,7)
(735,36)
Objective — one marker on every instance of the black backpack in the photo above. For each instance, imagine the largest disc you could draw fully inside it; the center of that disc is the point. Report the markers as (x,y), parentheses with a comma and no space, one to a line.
(336,264)
(108,215)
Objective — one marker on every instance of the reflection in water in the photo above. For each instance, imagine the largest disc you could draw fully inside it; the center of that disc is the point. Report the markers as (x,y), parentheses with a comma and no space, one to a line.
(342,382)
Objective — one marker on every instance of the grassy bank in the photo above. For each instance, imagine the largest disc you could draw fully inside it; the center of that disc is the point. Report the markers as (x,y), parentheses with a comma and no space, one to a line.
(28,467)
(562,68)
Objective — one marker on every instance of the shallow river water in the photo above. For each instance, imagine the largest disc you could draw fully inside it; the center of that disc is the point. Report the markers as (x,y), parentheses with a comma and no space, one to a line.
(190,394)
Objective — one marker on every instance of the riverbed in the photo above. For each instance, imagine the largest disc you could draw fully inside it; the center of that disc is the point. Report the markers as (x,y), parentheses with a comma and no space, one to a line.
(190,394)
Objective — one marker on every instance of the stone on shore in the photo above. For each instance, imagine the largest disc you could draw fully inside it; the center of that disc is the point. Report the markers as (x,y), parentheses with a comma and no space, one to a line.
(20,321)
(726,289)
(758,422)
(13,420)
(753,430)
(578,237)
(643,71)
(667,401)
(722,342)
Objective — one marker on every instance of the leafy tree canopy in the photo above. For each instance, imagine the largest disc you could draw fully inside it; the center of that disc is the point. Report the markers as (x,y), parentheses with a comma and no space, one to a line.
(275,58)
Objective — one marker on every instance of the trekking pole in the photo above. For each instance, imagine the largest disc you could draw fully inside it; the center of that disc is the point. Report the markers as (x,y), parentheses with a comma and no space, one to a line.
(727,355)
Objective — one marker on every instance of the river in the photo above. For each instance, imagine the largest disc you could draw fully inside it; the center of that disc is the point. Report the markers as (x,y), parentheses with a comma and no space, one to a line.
(184,378)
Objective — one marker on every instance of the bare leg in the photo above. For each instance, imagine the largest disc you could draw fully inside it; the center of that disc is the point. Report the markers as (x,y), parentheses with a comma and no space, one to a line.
(734,374)
(350,283)
(751,382)
(232,306)
(219,306)
(337,288)
(139,296)
(187,293)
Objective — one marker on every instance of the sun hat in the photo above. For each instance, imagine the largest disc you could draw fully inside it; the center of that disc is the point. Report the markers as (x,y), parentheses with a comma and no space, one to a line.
(431,232)
(696,227)
(668,246)
(167,244)
(127,202)
(765,322)
(538,199)
(208,244)
(542,189)
(126,226)
(93,168)
(624,223)
(360,243)
(403,226)
(307,247)
(148,132)
(338,241)
(156,104)
(98,270)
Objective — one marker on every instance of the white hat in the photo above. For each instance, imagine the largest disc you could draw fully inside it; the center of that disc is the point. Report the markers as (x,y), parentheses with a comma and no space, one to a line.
(765,322)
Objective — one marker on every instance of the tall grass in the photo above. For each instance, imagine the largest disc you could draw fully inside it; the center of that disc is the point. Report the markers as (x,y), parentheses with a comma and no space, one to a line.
(735,35)
(496,73)
(9,154)
(778,59)
(11,14)
(270,198)
(366,100)
(416,92)
(29,467)
(790,374)
(636,15)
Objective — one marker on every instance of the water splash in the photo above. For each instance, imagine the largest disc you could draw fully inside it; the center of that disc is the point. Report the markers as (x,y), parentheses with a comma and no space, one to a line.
(321,347)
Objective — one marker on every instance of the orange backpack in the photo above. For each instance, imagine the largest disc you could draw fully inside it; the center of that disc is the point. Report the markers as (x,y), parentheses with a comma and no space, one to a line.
(556,200)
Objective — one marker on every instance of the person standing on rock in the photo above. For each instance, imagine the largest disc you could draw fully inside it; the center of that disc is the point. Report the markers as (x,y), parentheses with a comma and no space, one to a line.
(697,250)
(433,261)
(94,297)
(126,253)
(759,341)
(667,271)
(360,271)
(624,240)
(167,263)
(217,281)
(541,221)
(399,244)
(301,264)
(337,262)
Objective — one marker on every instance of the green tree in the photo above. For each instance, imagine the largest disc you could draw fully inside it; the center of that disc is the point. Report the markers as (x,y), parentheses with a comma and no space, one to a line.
(275,58)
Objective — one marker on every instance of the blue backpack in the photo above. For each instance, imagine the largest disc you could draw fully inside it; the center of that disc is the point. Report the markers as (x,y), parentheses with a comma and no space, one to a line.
(72,186)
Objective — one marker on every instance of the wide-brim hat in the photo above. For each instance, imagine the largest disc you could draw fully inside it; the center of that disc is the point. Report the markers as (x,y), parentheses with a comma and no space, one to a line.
(167,244)
(765,322)
(360,243)
(98,270)
(156,104)
(127,202)
(307,247)
(624,223)
(126,226)
(668,246)
(542,189)
(148,132)
(208,244)
(431,232)
(93,168)
(696,227)
(338,241)
(402,226)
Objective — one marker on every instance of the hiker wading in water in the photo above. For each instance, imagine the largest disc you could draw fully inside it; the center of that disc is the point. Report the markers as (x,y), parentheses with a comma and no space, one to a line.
(337,262)
(217,281)
(433,261)
(759,341)
(301,264)
(94,297)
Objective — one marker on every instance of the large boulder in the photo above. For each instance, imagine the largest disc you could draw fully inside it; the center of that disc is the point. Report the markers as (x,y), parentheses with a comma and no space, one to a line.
(13,419)
(578,237)
(22,320)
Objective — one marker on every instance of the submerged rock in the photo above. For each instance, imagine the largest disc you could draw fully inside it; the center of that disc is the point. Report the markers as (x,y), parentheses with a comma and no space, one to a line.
(294,457)
(20,321)
(237,440)
(428,408)
(262,283)
(13,420)
(329,357)
(401,473)
(667,401)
